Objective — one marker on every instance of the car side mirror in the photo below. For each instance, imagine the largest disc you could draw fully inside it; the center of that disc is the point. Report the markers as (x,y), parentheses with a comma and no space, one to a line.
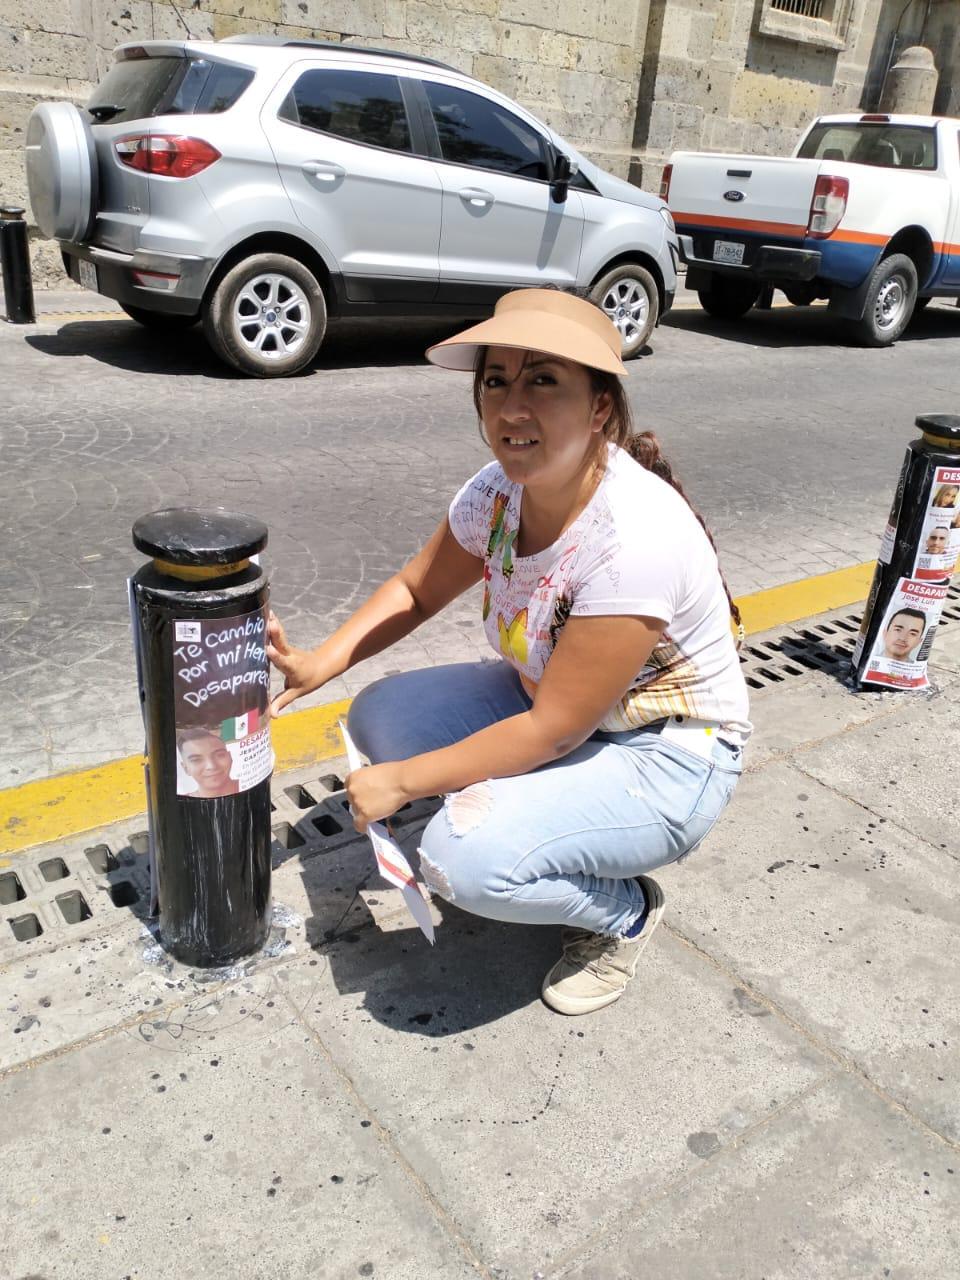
(563,170)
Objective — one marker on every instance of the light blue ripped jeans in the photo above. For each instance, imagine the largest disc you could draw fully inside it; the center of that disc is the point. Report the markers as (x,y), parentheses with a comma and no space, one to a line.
(559,845)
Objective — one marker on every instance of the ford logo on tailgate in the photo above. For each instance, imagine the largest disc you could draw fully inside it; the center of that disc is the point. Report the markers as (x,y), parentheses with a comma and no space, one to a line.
(735,196)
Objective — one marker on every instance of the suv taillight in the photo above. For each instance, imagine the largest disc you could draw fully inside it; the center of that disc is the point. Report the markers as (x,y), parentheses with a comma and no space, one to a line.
(166,154)
(665,182)
(828,205)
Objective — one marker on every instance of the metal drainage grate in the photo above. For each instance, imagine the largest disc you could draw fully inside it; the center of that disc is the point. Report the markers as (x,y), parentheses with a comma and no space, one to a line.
(75,890)
(820,646)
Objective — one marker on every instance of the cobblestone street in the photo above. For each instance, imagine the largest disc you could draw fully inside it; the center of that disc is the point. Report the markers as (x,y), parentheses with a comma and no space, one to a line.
(788,441)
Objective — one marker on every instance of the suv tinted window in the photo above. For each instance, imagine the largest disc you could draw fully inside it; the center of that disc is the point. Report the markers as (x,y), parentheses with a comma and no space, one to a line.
(360,106)
(480,133)
(143,87)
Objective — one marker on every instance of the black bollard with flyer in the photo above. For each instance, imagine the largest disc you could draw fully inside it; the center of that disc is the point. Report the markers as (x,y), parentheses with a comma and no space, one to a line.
(200,616)
(918,554)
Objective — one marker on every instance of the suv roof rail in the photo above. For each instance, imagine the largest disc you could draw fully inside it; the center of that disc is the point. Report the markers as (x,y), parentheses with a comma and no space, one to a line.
(281,42)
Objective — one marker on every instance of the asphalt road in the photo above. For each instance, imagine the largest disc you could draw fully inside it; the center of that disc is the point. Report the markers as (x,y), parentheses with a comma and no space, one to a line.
(787,439)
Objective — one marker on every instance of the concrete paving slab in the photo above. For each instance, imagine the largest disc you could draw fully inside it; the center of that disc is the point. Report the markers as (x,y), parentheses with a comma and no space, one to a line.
(218,1142)
(502,1107)
(63,998)
(771,1098)
(837,1186)
(817,708)
(903,767)
(74,982)
(842,922)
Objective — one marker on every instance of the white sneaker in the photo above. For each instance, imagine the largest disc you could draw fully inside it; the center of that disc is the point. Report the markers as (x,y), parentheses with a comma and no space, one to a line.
(595,968)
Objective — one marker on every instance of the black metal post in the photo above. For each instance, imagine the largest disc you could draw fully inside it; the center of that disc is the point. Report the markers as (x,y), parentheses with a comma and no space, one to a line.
(15,263)
(200,611)
(918,554)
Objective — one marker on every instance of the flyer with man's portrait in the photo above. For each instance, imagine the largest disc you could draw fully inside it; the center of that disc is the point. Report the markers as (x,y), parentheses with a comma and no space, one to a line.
(900,651)
(221,679)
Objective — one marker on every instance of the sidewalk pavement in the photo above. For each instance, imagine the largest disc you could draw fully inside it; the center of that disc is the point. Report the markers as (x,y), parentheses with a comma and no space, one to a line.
(774,1098)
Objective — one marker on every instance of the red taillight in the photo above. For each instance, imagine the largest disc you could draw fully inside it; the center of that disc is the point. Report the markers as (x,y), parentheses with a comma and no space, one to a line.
(828,205)
(166,154)
(875,119)
(665,182)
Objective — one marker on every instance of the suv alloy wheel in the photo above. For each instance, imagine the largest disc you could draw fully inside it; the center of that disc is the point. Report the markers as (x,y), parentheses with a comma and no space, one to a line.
(628,295)
(267,316)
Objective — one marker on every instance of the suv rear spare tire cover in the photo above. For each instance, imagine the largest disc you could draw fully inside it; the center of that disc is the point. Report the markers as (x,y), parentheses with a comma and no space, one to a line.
(61,171)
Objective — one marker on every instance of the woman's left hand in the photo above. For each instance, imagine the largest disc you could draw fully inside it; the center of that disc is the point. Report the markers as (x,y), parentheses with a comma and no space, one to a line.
(374,792)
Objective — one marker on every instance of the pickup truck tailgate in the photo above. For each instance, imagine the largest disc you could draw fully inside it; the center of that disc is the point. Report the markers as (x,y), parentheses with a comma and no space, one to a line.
(774,194)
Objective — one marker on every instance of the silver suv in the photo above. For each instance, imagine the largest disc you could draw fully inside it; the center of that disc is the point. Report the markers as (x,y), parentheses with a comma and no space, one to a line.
(260,185)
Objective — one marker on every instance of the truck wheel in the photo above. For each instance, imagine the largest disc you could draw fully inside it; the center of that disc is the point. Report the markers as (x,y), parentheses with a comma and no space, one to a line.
(267,316)
(160,321)
(727,298)
(890,300)
(629,296)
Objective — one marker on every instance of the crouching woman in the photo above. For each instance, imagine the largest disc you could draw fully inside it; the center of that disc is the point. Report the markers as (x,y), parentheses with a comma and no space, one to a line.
(605,738)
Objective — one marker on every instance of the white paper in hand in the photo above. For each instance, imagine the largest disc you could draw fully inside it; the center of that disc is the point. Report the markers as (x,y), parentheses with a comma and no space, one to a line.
(391,863)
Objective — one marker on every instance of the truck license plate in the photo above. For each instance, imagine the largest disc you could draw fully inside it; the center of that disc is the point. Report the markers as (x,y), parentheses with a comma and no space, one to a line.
(88,275)
(729,251)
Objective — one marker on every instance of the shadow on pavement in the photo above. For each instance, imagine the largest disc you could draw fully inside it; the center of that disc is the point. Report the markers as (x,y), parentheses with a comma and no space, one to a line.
(349,344)
(805,327)
(478,972)
(124,344)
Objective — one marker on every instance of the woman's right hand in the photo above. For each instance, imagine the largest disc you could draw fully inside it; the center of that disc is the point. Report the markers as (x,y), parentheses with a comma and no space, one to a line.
(299,667)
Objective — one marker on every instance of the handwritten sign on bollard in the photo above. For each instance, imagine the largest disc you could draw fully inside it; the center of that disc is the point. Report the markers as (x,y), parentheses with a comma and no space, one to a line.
(221,684)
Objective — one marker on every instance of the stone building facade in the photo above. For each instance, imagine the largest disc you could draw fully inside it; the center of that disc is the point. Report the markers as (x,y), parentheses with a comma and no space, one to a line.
(627,81)
(748,75)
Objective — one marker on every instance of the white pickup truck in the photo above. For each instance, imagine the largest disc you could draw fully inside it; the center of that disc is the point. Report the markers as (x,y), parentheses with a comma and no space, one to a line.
(866,213)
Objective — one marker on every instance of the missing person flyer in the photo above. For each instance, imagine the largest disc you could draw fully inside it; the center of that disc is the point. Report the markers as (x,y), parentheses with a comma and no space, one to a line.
(221,679)
(899,655)
(940,537)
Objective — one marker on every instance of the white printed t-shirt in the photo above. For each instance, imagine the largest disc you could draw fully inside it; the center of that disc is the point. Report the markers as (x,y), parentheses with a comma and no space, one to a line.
(637,549)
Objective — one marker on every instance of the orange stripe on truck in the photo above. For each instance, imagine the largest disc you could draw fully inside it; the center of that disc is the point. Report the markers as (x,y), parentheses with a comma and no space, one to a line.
(742,224)
(856,237)
(841,235)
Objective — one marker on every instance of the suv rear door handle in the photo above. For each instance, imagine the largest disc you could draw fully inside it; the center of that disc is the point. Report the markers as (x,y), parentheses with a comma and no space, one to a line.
(323,170)
(477,196)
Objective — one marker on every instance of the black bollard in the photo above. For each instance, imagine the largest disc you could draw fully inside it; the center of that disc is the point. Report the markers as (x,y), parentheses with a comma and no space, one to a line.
(918,554)
(200,612)
(15,263)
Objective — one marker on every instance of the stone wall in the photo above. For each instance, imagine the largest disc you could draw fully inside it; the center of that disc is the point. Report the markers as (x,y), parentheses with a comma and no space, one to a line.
(941,35)
(573,64)
(736,75)
(627,81)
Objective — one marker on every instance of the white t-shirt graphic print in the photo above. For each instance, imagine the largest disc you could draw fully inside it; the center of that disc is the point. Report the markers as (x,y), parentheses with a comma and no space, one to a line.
(636,549)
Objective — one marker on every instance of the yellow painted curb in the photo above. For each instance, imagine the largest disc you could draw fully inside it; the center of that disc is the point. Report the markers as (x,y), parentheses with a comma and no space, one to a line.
(54,808)
(57,808)
(779,606)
